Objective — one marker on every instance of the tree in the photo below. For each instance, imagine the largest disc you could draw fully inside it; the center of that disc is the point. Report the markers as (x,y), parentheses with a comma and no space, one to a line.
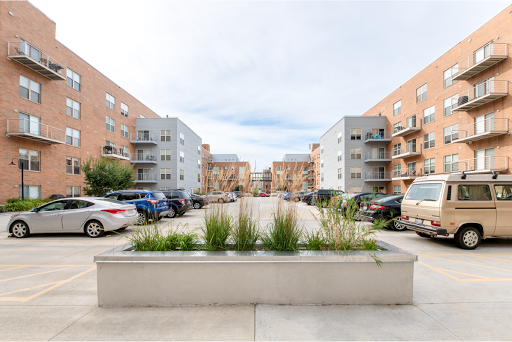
(104,175)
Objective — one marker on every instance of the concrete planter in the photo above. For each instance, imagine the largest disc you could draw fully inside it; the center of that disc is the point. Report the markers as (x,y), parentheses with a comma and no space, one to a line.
(129,278)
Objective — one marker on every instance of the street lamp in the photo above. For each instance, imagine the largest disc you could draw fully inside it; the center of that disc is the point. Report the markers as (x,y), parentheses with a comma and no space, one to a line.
(22,187)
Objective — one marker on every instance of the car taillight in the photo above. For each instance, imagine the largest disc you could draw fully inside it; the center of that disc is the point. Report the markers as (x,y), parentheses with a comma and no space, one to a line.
(152,201)
(405,217)
(436,223)
(113,211)
(182,201)
(316,196)
(376,206)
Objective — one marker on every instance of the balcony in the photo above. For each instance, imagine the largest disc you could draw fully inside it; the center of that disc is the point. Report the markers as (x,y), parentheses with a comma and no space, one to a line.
(484,129)
(412,126)
(404,174)
(377,157)
(377,177)
(483,93)
(145,178)
(24,128)
(35,59)
(143,158)
(384,137)
(144,138)
(492,53)
(480,165)
(112,152)
(414,150)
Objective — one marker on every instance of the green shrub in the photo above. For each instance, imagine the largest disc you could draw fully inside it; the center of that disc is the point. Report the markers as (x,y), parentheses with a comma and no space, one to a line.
(17,204)
(315,240)
(154,239)
(284,232)
(246,228)
(217,227)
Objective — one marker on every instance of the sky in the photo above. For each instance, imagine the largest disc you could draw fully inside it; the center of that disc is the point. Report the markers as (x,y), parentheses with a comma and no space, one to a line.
(262,79)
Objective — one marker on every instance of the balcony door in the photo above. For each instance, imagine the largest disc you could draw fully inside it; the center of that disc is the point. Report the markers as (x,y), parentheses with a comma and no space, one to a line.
(484,123)
(378,153)
(29,124)
(142,174)
(378,172)
(411,121)
(411,145)
(482,53)
(484,159)
(484,87)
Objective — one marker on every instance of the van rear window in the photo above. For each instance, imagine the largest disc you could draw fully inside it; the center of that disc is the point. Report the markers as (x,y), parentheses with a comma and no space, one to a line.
(424,192)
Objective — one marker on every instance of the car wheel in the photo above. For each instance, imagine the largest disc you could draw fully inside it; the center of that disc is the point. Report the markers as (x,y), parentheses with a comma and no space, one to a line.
(398,226)
(142,217)
(468,238)
(424,235)
(94,229)
(20,229)
(197,205)
(221,200)
(172,213)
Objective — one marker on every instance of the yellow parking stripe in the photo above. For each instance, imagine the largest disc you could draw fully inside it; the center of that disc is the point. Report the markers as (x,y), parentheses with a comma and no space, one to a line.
(31,275)
(479,256)
(468,263)
(12,268)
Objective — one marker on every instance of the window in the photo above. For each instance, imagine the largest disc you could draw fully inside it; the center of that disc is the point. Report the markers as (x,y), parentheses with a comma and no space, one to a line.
(72,191)
(340,137)
(411,169)
(73,108)
(411,121)
(322,177)
(340,173)
(397,189)
(411,145)
(72,137)
(31,191)
(288,168)
(448,104)
(111,102)
(355,153)
(198,177)
(339,155)
(397,108)
(397,170)
(322,149)
(29,123)
(110,143)
(72,166)
(216,185)
(124,130)
(241,170)
(429,166)
(182,139)
(397,127)
(429,140)
(355,134)
(421,93)
(111,124)
(30,90)
(483,52)
(165,173)
(321,163)
(182,174)
(123,150)
(182,156)
(484,159)
(216,170)
(503,192)
(198,164)
(29,160)
(296,168)
(451,133)
(474,193)
(165,135)
(198,149)
(73,79)
(355,172)
(448,74)
(397,149)
(451,163)
(429,114)
(124,110)
(422,192)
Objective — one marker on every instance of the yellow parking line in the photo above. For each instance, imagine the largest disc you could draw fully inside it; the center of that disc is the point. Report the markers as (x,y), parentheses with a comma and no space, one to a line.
(31,275)
(468,263)
(12,268)
(89,265)
(465,254)
(478,256)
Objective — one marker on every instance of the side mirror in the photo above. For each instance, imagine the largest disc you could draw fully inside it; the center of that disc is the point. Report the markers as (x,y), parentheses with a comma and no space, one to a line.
(35,210)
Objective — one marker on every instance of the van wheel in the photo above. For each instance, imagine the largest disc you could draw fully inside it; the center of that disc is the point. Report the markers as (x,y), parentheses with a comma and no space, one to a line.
(468,238)
(424,235)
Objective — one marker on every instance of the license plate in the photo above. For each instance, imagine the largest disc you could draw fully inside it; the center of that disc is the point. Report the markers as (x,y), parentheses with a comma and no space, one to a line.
(418,221)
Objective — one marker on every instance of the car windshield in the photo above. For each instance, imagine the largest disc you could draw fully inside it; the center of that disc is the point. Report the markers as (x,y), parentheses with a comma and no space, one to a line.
(158,195)
(109,201)
(424,192)
(186,195)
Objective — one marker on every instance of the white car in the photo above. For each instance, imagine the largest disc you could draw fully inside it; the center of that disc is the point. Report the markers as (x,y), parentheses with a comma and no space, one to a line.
(89,215)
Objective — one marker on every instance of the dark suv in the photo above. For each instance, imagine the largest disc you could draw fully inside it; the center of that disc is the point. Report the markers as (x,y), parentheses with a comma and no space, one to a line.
(150,204)
(324,195)
(179,202)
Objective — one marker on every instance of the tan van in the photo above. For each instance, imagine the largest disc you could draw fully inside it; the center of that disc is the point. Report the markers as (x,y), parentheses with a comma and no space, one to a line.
(470,206)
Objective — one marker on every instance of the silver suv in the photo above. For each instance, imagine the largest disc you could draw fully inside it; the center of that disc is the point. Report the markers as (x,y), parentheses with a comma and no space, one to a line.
(217,196)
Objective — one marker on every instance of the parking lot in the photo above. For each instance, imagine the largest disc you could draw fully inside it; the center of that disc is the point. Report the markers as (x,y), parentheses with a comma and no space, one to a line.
(48,291)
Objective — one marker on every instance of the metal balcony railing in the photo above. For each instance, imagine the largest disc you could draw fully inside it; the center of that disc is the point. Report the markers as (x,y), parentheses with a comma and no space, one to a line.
(377,156)
(112,152)
(405,174)
(405,152)
(482,93)
(380,176)
(481,164)
(483,129)
(143,158)
(377,137)
(37,60)
(144,137)
(483,58)
(24,128)
(146,177)
(412,124)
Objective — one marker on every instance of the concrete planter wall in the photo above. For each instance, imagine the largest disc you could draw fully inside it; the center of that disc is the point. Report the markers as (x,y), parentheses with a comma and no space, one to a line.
(128,278)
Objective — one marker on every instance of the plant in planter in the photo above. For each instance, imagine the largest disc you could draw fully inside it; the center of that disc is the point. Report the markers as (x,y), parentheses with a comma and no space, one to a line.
(284,231)
(154,239)
(245,231)
(217,227)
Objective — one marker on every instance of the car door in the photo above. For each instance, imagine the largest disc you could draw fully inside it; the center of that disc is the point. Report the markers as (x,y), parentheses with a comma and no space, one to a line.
(75,215)
(49,217)
(503,209)
(476,204)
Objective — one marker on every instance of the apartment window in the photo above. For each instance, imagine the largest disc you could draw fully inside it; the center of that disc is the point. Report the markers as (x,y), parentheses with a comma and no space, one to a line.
(288,168)
(73,79)
(165,135)
(72,166)
(29,123)
(340,137)
(216,186)
(355,153)
(397,189)
(111,124)
(448,74)
(110,143)
(340,173)
(182,156)
(225,168)
(124,130)
(198,177)
(356,188)
(397,169)
(31,191)
(241,170)
(30,90)
(451,133)
(72,191)
(397,127)
(182,139)
(216,170)
(123,150)
(355,134)
(111,102)
(30,159)
(182,174)
(73,108)
(429,140)
(322,177)
(397,149)
(321,163)
(483,52)
(429,114)
(421,93)
(72,137)
(165,173)
(397,108)
(451,163)
(429,166)
(411,121)
(296,168)
(339,155)
(355,172)
(198,149)
(124,110)
(411,145)
(198,164)
(322,149)
(448,104)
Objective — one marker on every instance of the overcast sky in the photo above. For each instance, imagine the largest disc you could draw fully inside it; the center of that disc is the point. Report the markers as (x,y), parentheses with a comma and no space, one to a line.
(261,79)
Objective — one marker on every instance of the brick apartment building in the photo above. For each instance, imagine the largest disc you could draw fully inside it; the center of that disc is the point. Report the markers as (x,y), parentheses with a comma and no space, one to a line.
(454,115)
(291,172)
(224,172)
(314,167)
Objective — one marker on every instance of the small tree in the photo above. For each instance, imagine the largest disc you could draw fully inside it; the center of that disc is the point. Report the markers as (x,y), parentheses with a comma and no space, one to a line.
(103,175)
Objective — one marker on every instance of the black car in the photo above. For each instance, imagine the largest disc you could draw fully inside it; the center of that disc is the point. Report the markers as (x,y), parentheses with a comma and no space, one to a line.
(179,203)
(324,195)
(359,199)
(198,201)
(388,208)
(307,198)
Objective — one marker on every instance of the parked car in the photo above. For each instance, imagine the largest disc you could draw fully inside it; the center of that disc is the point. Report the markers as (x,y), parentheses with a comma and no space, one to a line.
(55,196)
(90,215)
(308,198)
(179,202)
(471,207)
(150,204)
(297,196)
(198,201)
(324,195)
(387,208)
(238,193)
(287,196)
(217,196)
(262,194)
(230,197)
(359,198)
(235,197)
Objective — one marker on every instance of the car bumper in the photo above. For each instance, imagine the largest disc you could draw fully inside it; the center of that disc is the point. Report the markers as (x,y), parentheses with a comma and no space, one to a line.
(424,229)
(116,221)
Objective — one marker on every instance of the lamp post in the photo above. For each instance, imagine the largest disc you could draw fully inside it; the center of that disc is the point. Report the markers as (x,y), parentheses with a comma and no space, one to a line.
(22,187)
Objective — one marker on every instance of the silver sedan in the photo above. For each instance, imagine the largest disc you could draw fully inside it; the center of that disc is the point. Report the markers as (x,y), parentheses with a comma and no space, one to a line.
(89,215)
